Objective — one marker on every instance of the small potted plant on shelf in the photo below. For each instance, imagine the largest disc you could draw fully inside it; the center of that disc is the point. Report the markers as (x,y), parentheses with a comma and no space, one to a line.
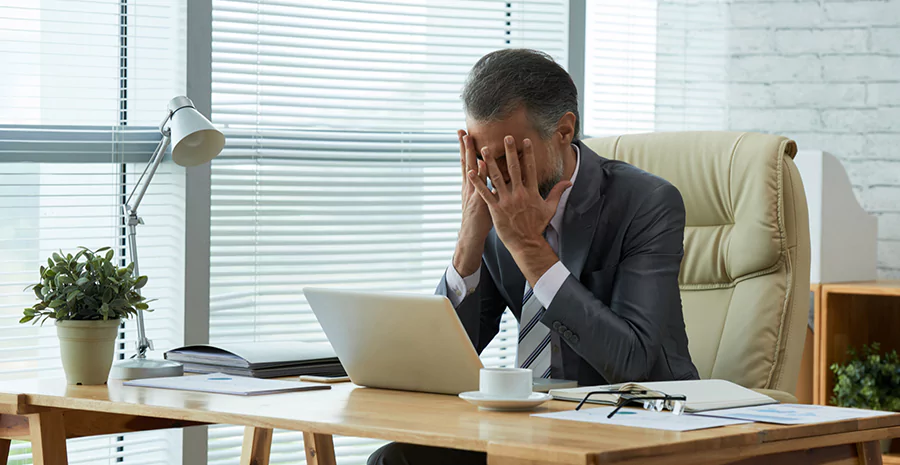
(88,296)
(870,380)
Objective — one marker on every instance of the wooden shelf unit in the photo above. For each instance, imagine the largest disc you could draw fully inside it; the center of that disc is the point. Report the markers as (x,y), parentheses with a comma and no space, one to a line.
(850,315)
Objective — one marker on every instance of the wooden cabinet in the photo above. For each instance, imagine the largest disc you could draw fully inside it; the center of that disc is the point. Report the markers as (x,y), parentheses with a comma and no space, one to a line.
(850,315)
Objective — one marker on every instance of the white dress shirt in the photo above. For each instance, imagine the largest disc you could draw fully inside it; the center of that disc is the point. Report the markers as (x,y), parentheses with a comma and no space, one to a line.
(549,283)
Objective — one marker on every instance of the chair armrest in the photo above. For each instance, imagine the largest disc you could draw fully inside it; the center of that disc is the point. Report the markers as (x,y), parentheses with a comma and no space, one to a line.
(781,396)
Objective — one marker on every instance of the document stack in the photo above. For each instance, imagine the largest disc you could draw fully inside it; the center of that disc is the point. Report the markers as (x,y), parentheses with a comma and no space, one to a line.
(259,359)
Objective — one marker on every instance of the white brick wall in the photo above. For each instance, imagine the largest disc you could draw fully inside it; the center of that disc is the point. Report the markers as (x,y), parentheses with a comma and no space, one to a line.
(826,73)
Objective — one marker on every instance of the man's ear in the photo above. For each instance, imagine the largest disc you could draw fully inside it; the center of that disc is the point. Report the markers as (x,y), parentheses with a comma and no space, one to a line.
(565,128)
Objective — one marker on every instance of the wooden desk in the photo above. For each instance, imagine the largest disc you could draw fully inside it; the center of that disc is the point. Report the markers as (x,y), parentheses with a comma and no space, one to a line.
(49,411)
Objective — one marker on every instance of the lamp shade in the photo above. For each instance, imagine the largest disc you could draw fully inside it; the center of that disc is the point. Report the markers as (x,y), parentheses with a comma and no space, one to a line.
(195,140)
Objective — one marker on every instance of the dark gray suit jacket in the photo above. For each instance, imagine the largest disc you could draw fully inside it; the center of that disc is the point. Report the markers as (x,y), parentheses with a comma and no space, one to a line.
(618,316)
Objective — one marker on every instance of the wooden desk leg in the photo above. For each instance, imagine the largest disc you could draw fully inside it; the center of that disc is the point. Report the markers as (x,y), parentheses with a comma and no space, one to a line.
(869,453)
(48,438)
(319,449)
(4,451)
(257,446)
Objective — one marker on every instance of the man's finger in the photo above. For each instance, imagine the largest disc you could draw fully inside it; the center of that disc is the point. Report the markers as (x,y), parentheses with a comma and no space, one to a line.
(494,171)
(462,151)
(471,161)
(481,188)
(556,193)
(530,170)
(512,162)
(482,171)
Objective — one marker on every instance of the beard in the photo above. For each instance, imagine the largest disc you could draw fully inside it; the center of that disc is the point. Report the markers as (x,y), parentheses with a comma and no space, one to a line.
(554,177)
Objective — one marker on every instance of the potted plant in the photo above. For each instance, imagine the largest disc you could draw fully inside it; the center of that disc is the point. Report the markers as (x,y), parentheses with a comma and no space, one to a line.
(870,380)
(88,296)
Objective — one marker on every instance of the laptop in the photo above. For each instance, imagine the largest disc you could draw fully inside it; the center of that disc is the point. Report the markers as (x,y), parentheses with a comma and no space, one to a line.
(397,341)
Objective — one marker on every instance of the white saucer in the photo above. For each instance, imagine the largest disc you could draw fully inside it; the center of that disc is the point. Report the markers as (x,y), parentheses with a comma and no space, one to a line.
(505,404)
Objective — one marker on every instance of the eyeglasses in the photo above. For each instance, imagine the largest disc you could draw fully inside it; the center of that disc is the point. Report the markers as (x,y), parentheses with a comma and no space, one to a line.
(652,400)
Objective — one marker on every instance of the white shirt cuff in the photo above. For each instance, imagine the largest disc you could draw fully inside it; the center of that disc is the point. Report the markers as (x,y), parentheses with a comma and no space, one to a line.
(459,287)
(548,285)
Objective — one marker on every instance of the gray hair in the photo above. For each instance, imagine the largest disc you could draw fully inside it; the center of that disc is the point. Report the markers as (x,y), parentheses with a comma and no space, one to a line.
(504,79)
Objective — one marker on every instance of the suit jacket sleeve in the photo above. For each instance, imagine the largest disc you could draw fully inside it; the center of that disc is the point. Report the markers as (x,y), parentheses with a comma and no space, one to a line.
(622,340)
(480,312)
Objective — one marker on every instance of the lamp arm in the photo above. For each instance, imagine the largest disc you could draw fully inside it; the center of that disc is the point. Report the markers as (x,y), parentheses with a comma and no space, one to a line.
(154,163)
(143,344)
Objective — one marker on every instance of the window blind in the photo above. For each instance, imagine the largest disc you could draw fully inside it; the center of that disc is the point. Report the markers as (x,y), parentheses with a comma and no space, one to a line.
(342,166)
(51,206)
(84,85)
(654,66)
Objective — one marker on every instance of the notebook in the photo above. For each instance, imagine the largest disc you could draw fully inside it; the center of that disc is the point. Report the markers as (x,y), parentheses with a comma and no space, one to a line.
(259,359)
(220,383)
(702,395)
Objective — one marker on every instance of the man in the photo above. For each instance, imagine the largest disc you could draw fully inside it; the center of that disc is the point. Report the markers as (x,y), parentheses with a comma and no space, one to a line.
(584,251)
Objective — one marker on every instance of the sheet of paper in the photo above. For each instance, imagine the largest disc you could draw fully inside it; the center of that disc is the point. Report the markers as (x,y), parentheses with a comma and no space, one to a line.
(640,418)
(794,414)
(221,383)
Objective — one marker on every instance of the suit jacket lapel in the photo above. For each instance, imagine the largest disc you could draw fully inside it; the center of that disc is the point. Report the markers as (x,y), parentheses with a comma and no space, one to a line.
(583,210)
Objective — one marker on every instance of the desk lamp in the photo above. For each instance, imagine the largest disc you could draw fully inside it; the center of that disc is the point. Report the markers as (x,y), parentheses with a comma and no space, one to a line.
(194,142)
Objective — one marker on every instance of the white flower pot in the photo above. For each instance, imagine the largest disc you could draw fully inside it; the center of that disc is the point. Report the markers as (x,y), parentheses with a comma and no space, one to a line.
(87,348)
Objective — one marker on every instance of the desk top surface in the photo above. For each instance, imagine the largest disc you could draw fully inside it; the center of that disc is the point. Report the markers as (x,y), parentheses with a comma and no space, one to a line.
(431,419)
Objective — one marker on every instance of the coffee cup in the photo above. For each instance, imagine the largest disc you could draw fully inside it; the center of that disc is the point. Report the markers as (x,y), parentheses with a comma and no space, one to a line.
(511,383)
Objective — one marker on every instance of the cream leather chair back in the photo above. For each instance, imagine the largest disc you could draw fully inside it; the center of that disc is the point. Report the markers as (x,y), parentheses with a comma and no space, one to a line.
(745,274)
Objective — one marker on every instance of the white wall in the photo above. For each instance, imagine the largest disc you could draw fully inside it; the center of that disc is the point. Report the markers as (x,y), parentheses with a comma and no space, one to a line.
(826,74)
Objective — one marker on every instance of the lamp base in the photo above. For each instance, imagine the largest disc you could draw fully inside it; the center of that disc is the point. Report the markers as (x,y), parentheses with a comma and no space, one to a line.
(140,368)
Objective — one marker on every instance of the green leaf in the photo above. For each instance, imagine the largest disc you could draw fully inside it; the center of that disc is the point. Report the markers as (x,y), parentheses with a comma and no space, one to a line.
(77,285)
(869,379)
(26,319)
(141,306)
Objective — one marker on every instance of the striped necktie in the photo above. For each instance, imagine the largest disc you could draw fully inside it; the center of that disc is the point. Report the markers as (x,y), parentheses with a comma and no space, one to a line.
(534,336)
